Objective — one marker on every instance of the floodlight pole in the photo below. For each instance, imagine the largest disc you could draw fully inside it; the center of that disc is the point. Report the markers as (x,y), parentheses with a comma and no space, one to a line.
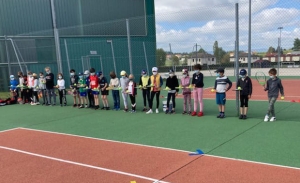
(237,53)
(249,41)
(129,45)
(7,56)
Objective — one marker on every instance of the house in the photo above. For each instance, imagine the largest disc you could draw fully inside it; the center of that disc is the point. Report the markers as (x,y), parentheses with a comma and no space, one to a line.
(243,57)
(202,58)
(289,57)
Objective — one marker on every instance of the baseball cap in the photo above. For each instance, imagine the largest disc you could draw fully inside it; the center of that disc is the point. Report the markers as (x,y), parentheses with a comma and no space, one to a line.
(155,69)
(11,76)
(171,71)
(184,71)
(220,70)
(243,72)
(123,73)
(144,71)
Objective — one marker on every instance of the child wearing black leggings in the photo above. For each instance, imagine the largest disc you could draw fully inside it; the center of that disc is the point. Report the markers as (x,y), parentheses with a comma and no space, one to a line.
(171,84)
(244,84)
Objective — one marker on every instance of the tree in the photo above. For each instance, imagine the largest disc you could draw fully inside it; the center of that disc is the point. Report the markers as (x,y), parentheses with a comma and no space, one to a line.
(175,60)
(161,57)
(226,58)
(296,44)
(271,50)
(185,62)
(201,50)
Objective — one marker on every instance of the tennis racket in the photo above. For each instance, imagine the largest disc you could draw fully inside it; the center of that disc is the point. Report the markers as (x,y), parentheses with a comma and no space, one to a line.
(261,78)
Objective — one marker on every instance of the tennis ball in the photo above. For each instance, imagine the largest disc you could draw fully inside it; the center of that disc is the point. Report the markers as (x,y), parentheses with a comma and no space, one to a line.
(282,98)
(75,84)
(212,90)
(239,88)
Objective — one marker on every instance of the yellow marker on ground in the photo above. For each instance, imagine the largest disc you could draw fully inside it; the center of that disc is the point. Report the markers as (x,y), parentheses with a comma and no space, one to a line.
(132,181)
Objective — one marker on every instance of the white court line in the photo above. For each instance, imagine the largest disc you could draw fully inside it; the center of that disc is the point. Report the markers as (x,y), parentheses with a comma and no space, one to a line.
(9,130)
(83,165)
(164,148)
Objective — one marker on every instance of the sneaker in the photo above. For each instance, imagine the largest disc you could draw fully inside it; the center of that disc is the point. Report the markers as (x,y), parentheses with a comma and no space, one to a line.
(241,117)
(200,114)
(43,103)
(86,106)
(132,111)
(74,105)
(184,112)
(125,110)
(37,103)
(172,112)
(145,109)
(189,113)
(245,117)
(266,118)
(156,111)
(107,108)
(102,108)
(273,119)
(193,113)
(149,112)
(222,116)
(32,103)
(167,111)
(80,107)
(219,116)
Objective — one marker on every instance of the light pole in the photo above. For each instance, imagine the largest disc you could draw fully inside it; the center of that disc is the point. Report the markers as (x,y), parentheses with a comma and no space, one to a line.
(113,54)
(279,48)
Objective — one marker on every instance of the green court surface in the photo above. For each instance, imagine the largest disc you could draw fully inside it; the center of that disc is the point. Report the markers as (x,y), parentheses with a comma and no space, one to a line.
(251,139)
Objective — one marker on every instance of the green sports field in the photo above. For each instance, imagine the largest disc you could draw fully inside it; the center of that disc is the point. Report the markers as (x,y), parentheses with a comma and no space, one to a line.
(251,139)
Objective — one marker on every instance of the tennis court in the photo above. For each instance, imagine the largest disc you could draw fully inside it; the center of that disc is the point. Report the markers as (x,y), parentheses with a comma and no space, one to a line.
(65,144)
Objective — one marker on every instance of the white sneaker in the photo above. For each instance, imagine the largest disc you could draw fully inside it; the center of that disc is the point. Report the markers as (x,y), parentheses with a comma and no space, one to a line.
(273,119)
(37,103)
(33,103)
(156,111)
(149,112)
(266,118)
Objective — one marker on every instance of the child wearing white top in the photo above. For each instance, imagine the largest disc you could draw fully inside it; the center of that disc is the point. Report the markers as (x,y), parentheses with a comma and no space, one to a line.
(61,89)
(131,90)
(115,83)
(35,88)
(42,87)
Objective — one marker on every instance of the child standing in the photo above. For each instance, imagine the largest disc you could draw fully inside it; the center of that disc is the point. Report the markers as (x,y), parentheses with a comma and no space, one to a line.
(103,85)
(124,83)
(35,89)
(13,87)
(94,85)
(245,86)
(156,82)
(198,84)
(82,91)
(89,91)
(144,84)
(114,82)
(21,84)
(30,86)
(131,90)
(61,89)
(186,92)
(274,86)
(171,84)
(50,86)
(42,87)
(75,91)
(222,85)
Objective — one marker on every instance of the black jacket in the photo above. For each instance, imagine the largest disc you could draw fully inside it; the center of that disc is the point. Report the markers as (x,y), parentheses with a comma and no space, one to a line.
(246,86)
(172,83)
(197,80)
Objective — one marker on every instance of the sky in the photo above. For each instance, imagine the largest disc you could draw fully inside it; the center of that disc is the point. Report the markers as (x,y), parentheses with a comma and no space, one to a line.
(183,23)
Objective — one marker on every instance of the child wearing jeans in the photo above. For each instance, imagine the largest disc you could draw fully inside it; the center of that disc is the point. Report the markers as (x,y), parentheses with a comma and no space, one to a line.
(61,89)
(186,92)
(198,84)
(114,82)
(274,86)
(222,85)
(131,90)
(172,85)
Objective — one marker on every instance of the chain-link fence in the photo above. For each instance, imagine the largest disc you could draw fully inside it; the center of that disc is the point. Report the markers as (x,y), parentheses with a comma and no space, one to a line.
(133,35)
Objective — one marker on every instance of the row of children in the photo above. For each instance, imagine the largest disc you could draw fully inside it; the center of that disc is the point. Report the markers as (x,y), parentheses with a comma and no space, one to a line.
(86,88)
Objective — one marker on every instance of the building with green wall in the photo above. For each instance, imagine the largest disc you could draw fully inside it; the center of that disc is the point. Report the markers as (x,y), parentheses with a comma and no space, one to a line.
(85,27)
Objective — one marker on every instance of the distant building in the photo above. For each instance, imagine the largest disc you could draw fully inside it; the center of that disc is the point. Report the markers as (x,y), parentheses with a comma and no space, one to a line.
(202,58)
(243,57)
(289,57)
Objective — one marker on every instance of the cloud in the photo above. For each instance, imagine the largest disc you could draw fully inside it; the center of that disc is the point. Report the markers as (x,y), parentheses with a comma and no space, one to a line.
(266,18)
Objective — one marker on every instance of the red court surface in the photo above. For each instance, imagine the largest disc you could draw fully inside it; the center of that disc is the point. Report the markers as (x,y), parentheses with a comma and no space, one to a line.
(291,91)
(37,156)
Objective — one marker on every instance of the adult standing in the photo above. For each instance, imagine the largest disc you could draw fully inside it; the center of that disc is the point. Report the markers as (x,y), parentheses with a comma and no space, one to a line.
(156,83)
(50,86)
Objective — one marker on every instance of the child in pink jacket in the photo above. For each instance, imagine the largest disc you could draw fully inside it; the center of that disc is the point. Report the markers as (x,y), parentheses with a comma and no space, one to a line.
(186,92)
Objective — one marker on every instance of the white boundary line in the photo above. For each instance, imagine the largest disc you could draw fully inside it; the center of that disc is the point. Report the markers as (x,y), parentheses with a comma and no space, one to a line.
(81,164)
(164,148)
(9,130)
